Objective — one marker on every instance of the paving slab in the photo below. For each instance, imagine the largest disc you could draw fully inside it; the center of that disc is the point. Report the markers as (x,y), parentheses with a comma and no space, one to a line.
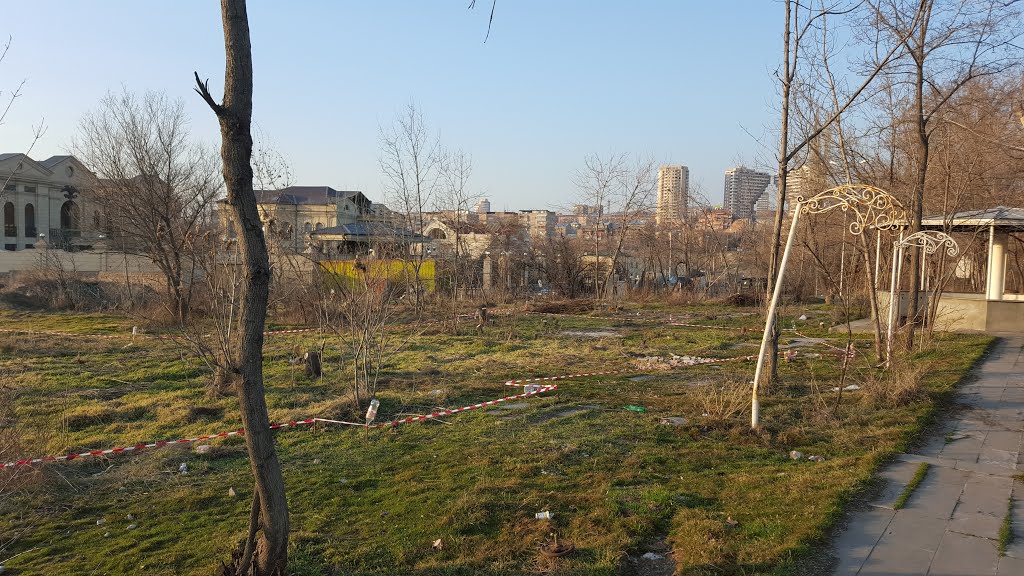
(892,558)
(895,476)
(951,523)
(963,555)
(1009,566)
(860,537)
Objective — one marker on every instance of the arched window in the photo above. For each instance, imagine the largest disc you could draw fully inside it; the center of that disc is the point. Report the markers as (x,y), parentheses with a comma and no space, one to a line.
(96,219)
(70,217)
(30,221)
(319,225)
(437,234)
(9,228)
(307,228)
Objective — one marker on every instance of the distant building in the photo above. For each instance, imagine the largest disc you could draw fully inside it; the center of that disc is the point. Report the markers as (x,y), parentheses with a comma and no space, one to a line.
(539,223)
(744,187)
(40,201)
(805,181)
(294,213)
(673,194)
(482,206)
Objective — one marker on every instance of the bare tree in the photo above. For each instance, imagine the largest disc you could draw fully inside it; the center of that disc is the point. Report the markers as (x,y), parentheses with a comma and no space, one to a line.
(155,186)
(802,21)
(623,187)
(410,160)
(946,46)
(11,96)
(453,200)
(265,549)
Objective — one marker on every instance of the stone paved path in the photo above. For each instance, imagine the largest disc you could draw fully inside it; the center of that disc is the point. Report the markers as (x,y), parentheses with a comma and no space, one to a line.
(950,525)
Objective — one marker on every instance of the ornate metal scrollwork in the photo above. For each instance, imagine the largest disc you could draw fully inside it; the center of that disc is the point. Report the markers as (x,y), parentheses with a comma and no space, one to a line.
(931,241)
(871,206)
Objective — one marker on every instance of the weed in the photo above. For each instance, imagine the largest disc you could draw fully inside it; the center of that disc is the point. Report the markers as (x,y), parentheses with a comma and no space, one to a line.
(1006,528)
(908,490)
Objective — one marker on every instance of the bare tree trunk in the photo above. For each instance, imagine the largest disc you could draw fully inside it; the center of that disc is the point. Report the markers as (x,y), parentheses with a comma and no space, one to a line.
(265,552)
(773,261)
(917,203)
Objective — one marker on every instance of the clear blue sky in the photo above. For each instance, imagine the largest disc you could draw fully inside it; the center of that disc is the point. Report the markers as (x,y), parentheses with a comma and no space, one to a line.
(680,80)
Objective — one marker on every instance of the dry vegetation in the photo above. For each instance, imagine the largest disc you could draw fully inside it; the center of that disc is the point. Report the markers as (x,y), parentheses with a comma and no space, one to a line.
(373,502)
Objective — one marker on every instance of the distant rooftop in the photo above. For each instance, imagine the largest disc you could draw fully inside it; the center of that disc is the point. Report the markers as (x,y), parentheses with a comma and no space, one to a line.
(303,195)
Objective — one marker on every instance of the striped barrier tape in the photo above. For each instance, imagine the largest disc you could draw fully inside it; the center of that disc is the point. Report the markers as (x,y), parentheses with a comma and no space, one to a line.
(563,377)
(240,432)
(688,325)
(139,447)
(16,331)
(526,394)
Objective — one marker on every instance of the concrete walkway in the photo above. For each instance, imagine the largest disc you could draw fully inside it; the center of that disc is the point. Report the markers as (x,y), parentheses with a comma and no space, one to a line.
(950,525)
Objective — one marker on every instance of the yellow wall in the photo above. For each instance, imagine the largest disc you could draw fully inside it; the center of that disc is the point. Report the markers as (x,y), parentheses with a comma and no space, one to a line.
(397,271)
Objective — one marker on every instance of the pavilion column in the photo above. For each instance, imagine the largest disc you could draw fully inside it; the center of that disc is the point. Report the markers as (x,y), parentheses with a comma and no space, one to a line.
(995,284)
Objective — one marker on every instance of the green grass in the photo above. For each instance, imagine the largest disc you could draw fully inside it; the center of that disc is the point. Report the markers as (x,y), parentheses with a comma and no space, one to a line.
(908,490)
(1006,528)
(372,503)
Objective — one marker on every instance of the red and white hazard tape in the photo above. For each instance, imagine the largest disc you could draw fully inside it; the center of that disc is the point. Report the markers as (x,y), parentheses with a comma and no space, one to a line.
(44,333)
(292,331)
(527,394)
(138,447)
(562,377)
(688,325)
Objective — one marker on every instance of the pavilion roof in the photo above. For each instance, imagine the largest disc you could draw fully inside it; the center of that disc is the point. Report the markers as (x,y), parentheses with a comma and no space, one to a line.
(1000,217)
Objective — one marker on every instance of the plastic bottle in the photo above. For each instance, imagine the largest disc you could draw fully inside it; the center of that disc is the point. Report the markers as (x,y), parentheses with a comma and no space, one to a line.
(371,412)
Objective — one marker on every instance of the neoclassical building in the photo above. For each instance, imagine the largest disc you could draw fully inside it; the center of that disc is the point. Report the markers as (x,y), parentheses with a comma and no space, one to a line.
(41,201)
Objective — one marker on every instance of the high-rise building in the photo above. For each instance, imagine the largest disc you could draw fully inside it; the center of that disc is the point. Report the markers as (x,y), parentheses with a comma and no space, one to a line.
(483,206)
(743,189)
(805,181)
(673,193)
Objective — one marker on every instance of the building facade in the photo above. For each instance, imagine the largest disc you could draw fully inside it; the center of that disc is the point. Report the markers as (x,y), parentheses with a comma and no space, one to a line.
(673,194)
(292,214)
(42,202)
(744,188)
(539,223)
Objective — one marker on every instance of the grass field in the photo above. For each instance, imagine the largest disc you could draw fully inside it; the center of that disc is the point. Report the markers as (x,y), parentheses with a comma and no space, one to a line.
(618,482)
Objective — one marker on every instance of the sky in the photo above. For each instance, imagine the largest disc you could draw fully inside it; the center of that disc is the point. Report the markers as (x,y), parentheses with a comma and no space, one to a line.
(679,81)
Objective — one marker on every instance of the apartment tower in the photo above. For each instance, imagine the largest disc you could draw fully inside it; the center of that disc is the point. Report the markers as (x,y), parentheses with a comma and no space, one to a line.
(744,187)
(673,192)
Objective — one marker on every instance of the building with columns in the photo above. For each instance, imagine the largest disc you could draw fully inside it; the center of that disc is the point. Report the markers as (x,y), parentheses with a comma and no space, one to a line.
(41,201)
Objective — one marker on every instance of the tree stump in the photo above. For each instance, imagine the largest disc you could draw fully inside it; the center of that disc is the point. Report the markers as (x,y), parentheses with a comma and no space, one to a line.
(314,369)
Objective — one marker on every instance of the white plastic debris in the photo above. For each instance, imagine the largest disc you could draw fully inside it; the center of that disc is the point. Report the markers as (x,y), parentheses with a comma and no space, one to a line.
(802,317)
(652,556)
(545,515)
(371,412)
(203,448)
(316,461)
(796,455)
(133,526)
(130,517)
(231,492)
(816,458)
(183,469)
(437,545)
(101,522)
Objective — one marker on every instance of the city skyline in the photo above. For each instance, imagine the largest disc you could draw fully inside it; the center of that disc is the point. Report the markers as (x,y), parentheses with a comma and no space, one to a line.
(513,102)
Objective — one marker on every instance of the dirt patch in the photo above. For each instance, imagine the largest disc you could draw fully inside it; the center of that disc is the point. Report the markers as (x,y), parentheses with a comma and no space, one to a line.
(592,334)
(646,363)
(657,560)
(564,307)
(563,413)
(205,413)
